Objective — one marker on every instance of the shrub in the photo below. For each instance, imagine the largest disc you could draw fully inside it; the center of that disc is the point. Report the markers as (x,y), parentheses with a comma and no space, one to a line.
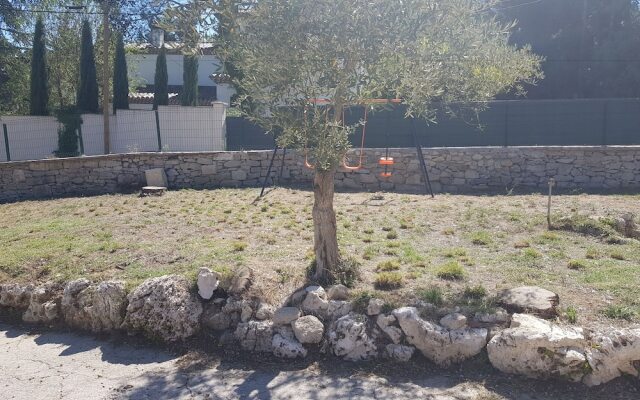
(360,300)
(475,292)
(455,252)
(481,238)
(388,281)
(577,264)
(239,246)
(571,314)
(431,295)
(392,235)
(617,255)
(388,265)
(592,253)
(619,312)
(531,253)
(451,271)
(70,121)
(347,272)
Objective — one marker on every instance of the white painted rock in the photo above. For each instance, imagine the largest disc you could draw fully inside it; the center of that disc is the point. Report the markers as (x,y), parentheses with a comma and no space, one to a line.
(338,292)
(97,308)
(399,352)
(208,282)
(315,302)
(164,308)
(44,305)
(454,321)
(375,306)
(15,296)
(530,299)
(349,339)
(308,329)
(287,347)
(539,349)
(440,345)
(255,336)
(385,323)
(612,354)
(286,315)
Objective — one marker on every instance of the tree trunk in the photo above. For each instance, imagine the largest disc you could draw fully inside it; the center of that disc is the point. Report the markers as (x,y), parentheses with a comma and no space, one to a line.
(324,224)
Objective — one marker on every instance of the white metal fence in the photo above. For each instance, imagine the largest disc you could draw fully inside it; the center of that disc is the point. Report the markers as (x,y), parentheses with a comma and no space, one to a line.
(172,128)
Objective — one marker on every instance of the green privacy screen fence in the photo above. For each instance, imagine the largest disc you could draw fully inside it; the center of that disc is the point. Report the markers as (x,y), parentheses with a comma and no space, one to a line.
(588,122)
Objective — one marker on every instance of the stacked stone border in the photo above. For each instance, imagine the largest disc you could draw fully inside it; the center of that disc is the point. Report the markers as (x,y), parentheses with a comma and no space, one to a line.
(450,169)
(168,309)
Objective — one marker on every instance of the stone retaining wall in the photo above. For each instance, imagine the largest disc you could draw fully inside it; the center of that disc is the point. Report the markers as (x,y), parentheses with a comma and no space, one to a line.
(450,169)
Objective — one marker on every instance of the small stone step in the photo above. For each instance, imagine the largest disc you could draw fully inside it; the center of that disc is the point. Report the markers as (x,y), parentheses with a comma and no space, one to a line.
(153,191)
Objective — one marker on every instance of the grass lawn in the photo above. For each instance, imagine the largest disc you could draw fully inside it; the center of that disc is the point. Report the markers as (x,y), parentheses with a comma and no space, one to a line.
(454,249)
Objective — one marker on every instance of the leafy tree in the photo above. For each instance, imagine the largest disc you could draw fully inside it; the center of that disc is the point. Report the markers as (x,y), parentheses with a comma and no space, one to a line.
(189,95)
(39,104)
(160,82)
(120,78)
(88,90)
(429,53)
(14,59)
(70,120)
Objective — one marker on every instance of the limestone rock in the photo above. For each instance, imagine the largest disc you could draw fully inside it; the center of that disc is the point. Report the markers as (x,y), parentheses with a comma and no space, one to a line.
(285,347)
(15,296)
(214,318)
(208,282)
(264,311)
(349,339)
(338,292)
(286,315)
(338,308)
(385,323)
(539,349)
(164,308)
(375,306)
(530,299)
(97,308)
(399,352)
(454,321)
(500,316)
(315,302)
(308,329)
(241,281)
(438,344)
(255,336)
(44,304)
(612,354)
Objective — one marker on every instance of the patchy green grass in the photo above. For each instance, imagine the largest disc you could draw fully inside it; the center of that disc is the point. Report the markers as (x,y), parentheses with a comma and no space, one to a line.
(496,242)
(451,270)
(388,281)
(388,265)
(433,295)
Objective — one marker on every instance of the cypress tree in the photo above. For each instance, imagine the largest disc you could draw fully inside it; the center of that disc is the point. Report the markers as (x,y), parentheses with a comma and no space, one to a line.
(88,90)
(39,76)
(160,82)
(190,80)
(120,78)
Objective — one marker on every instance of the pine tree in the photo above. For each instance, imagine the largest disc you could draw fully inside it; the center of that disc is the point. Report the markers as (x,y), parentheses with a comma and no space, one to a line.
(39,76)
(160,82)
(88,91)
(190,81)
(120,78)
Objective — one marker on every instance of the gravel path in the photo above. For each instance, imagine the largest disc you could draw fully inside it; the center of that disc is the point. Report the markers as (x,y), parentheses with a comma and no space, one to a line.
(60,365)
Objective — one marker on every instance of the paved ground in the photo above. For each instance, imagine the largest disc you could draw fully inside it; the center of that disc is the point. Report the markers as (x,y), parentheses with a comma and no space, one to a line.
(60,365)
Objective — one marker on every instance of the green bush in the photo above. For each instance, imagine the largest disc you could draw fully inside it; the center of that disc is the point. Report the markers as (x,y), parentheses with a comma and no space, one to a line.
(433,295)
(388,281)
(388,265)
(451,271)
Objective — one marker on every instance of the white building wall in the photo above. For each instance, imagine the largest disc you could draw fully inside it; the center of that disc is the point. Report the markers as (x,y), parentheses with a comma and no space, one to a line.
(208,64)
(182,129)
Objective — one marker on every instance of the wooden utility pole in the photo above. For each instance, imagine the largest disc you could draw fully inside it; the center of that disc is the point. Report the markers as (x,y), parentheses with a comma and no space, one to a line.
(106,33)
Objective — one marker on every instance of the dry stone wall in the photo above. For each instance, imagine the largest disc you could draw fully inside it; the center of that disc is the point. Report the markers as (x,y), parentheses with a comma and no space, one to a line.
(450,169)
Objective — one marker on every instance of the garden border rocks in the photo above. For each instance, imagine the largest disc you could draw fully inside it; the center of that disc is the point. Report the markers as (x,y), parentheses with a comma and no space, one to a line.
(314,320)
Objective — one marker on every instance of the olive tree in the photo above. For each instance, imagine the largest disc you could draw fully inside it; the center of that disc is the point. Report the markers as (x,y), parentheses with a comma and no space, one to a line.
(428,53)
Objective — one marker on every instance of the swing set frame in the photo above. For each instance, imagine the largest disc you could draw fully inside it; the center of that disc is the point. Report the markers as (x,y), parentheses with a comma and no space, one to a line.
(387,162)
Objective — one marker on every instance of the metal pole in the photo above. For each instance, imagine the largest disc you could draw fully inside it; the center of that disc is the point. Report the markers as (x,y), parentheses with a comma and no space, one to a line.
(264,183)
(552,183)
(106,33)
(423,164)
(158,131)
(6,141)
(80,141)
(284,153)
